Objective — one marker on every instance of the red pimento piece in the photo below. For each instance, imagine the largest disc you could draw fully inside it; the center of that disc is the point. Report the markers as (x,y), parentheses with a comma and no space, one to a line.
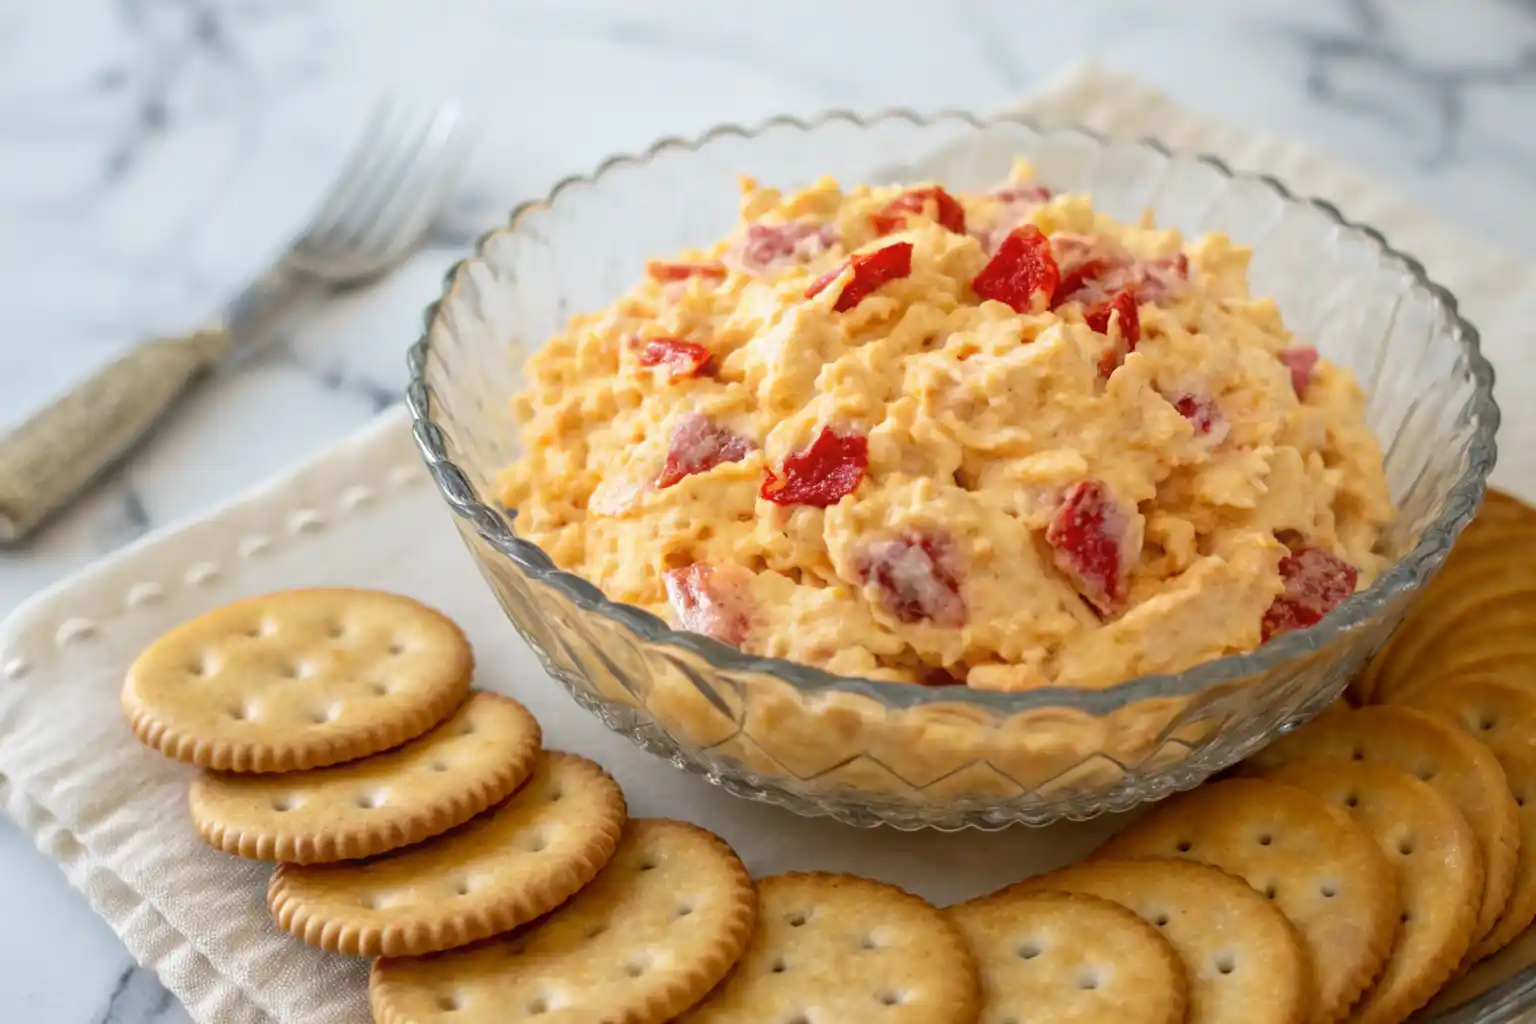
(1022,269)
(767,247)
(1200,410)
(1125,315)
(915,575)
(1076,279)
(947,210)
(941,677)
(699,445)
(713,600)
(660,270)
(870,271)
(681,358)
(1089,536)
(820,474)
(1022,193)
(1316,582)
(1300,362)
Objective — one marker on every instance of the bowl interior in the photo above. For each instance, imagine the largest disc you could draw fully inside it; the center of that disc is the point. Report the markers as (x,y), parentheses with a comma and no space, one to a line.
(1337,287)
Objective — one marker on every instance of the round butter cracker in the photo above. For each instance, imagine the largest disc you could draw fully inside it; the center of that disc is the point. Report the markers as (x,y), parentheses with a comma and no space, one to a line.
(1321,868)
(656,930)
(362,808)
(1244,960)
(841,948)
(1502,715)
(297,679)
(1432,750)
(1056,958)
(520,859)
(1439,874)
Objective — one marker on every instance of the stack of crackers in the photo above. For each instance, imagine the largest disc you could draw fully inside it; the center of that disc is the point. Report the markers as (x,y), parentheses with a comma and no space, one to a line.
(1348,872)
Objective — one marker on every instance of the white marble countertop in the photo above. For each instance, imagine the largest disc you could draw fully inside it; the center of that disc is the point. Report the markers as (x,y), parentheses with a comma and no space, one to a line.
(155,152)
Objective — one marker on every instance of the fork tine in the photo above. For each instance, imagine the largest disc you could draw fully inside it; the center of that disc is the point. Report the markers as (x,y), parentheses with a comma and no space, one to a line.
(409,212)
(374,186)
(419,155)
(374,140)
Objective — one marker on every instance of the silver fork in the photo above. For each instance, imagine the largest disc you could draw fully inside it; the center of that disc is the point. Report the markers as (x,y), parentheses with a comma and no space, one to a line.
(393,186)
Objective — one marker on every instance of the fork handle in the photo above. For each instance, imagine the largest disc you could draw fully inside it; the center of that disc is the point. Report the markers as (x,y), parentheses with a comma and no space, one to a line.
(52,456)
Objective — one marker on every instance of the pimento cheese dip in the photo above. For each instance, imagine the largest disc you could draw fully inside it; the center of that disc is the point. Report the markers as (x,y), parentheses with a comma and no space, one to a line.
(996,439)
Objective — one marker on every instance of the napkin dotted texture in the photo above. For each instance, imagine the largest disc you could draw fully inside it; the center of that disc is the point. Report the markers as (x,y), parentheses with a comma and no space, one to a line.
(114,816)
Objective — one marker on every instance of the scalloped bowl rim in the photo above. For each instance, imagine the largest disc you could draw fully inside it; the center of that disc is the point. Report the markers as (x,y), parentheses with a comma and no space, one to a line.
(1355,613)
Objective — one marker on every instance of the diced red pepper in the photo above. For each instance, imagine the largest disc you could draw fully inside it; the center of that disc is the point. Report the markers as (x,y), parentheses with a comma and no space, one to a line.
(1200,410)
(1089,535)
(1022,273)
(766,247)
(915,574)
(1300,362)
(681,358)
(699,444)
(947,210)
(1316,582)
(1025,192)
(1122,311)
(820,474)
(660,270)
(870,271)
(941,677)
(1074,280)
(713,600)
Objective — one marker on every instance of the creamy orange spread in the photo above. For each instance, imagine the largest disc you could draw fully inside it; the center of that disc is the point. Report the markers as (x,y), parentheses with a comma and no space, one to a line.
(993,438)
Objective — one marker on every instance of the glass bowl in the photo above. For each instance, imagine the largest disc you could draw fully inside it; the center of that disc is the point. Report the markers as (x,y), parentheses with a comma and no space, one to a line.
(869,752)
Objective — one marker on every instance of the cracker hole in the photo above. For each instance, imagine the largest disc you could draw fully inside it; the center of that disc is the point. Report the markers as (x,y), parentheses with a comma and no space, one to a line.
(1406,916)
(468,729)
(797,918)
(798,1018)
(1161,920)
(1266,839)
(289,670)
(537,1006)
(1029,950)
(320,716)
(635,968)
(197,667)
(284,803)
(889,998)
(1351,800)
(461,887)
(368,801)
(378,689)
(1520,799)
(449,1003)
(1329,890)
(779,966)
(684,909)
(240,713)
(650,865)
(1088,980)
(556,795)
(868,941)
(1405,846)
(335,631)
(1184,846)
(1270,891)
(1486,723)
(397,648)
(536,842)
(1226,964)
(258,629)
(439,766)
(597,930)
(1357,754)
(1425,772)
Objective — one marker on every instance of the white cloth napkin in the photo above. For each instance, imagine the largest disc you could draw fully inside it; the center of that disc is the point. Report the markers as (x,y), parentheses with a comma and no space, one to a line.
(113,815)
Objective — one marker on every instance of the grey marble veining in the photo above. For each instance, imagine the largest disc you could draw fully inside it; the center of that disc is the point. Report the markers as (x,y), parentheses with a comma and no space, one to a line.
(154,153)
